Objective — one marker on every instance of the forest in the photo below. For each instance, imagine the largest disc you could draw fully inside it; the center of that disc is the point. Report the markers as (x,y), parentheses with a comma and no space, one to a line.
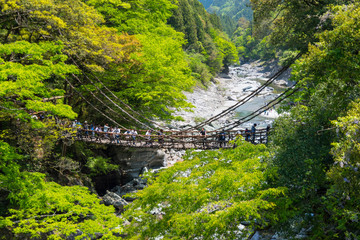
(58,58)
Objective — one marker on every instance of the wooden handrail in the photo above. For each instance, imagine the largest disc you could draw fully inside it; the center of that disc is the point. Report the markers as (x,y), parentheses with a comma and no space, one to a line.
(184,141)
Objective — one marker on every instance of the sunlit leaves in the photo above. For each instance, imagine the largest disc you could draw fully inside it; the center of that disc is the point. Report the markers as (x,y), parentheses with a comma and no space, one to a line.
(25,69)
(39,208)
(328,76)
(343,196)
(209,194)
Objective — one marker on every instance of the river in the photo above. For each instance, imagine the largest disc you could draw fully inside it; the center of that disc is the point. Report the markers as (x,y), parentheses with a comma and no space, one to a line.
(227,90)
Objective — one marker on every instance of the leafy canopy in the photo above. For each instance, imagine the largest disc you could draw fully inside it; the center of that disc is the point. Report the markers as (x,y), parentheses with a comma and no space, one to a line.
(39,208)
(24,70)
(328,76)
(209,194)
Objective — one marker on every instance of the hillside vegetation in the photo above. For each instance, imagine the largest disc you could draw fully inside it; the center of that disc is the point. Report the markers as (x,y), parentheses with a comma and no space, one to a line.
(57,56)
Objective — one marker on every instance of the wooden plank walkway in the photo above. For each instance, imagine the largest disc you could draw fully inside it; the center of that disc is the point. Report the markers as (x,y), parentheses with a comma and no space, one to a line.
(171,139)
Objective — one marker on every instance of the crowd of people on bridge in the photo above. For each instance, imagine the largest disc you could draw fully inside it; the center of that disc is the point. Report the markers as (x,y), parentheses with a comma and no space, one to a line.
(111,134)
(131,136)
(115,134)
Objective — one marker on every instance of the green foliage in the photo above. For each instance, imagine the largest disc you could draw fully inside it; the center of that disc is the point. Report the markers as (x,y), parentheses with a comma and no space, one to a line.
(24,71)
(199,70)
(329,73)
(286,57)
(39,208)
(134,16)
(300,154)
(250,47)
(329,80)
(287,25)
(165,72)
(71,21)
(157,84)
(19,185)
(343,197)
(233,8)
(27,78)
(203,35)
(228,24)
(209,194)
(226,48)
(99,165)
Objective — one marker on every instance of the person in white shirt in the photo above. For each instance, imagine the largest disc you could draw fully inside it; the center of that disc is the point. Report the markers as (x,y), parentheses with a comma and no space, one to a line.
(133,135)
(106,129)
(117,134)
(98,132)
(148,137)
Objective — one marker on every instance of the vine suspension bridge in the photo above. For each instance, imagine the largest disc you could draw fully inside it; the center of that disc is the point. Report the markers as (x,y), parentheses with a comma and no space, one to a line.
(171,139)
(182,139)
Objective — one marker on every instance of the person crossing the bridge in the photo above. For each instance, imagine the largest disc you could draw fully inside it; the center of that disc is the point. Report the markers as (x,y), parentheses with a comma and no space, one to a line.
(106,129)
(92,129)
(253,133)
(127,136)
(203,134)
(98,132)
(112,134)
(161,136)
(221,138)
(247,134)
(86,128)
(78,127)
(267,132)
(133,135)
(148,137)
(117,132)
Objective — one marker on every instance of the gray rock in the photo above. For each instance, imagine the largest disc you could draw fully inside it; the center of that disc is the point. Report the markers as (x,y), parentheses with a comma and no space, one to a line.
(281,83)
(232,98)
(132,186)
(111,198)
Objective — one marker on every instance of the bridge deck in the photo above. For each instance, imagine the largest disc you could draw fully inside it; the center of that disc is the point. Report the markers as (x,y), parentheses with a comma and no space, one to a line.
(171,139)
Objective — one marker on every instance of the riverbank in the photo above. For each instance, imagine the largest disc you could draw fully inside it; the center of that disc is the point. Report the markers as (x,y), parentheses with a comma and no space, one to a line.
(225,91)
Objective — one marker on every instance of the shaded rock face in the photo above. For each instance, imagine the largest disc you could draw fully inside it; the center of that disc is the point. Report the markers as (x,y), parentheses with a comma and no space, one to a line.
(132,161)
(108,181)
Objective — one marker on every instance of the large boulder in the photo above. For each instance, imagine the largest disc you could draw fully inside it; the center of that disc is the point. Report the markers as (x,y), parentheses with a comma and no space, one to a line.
(111,198)
(132,186)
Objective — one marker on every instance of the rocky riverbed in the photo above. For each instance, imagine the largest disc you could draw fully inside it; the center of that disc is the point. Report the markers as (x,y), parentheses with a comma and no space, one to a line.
(226,90)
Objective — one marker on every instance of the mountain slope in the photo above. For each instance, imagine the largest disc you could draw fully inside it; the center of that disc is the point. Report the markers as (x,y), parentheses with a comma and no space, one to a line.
(232,8)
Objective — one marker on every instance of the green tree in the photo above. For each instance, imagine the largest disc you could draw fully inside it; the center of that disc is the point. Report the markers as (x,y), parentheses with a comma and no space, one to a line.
(288,25)
(157,84)
(199,69)
(209,194)
(27,71)
(328,77)
(226,48)
(343,196)
(39,209)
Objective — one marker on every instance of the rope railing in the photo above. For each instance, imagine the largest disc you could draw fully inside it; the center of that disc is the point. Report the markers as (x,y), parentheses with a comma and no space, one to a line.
(169,139)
